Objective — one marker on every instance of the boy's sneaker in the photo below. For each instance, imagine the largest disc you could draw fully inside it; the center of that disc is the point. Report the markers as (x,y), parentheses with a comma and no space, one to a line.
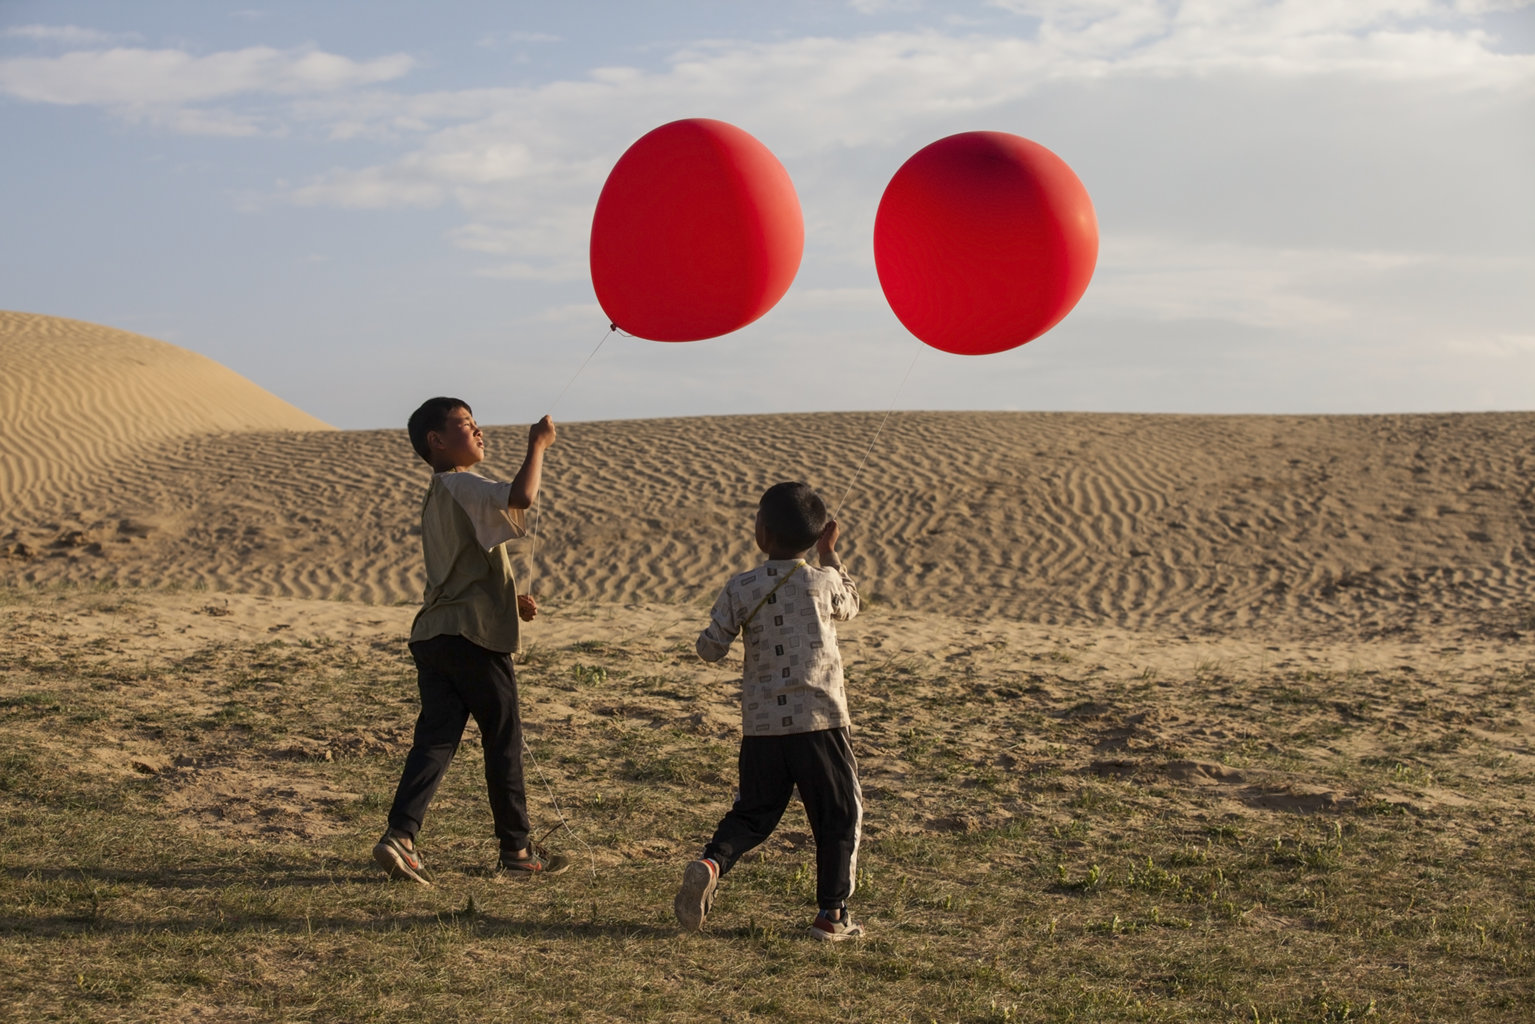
(699,880)
(840,930)
(539,861)
(400,861)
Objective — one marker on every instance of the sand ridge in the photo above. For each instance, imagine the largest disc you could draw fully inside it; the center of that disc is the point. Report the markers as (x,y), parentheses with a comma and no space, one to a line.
(1365,526)
(1338,526)
(104,392)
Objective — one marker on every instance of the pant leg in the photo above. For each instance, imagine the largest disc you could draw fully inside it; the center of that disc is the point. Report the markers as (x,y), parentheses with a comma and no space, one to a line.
(488,686)
(439,728)
(765,789)
(827,775)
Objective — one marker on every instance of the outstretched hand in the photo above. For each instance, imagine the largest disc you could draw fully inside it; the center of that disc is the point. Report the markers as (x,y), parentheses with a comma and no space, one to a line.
(526,607)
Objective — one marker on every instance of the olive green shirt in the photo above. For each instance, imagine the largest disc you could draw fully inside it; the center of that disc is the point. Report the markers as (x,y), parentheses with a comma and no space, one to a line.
(470,590)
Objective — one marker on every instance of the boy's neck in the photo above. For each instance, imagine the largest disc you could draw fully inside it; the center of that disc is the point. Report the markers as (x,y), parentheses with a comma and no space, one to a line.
(451,468)
(786,556)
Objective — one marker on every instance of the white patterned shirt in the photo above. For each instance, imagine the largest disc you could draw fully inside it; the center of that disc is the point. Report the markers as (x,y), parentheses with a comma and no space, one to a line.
(791,681)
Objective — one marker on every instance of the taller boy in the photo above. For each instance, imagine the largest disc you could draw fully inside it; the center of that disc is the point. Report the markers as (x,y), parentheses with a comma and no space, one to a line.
(464,636)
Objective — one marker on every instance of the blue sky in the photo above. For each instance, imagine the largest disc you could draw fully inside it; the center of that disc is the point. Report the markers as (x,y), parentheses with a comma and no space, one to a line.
(1304,205)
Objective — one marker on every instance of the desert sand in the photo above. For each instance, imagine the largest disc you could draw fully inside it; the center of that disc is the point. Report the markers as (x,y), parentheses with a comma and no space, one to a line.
(129,461)
(1162,544)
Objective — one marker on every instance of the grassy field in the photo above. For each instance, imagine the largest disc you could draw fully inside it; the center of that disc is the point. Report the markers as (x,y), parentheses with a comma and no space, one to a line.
(1058,829)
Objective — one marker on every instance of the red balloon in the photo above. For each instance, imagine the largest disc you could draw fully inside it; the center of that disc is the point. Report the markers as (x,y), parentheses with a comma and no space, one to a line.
(984,241)
(697,233)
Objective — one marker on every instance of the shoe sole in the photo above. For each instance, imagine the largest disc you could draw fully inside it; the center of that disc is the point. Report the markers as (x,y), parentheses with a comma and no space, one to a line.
(693,899)
(826,936)
(396,866)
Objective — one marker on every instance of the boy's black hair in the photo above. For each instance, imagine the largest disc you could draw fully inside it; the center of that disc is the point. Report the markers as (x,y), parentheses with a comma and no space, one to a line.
(793,514)
(433,415)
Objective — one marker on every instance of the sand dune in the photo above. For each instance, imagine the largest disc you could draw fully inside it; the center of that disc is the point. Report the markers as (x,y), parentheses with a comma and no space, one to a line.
(1255,525)
(98,395)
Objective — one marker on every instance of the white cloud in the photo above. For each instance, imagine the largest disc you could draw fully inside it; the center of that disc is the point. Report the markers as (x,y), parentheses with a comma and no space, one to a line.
(67,35)
(862,89)
(531,272)
(126,77)
(855,299)
(575,314)
(1497,346)
(1385,39)
(1168,280)
(388,116)
(882,6)
(497,40)
(483,238)
(552,244)
(1375,304)
(213,123)
(490,163)
(874,90)
(369,189)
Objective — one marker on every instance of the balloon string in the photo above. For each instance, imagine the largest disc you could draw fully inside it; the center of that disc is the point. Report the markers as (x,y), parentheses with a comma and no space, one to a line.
(875,439)
(558,813)
(534,513)
(612,329)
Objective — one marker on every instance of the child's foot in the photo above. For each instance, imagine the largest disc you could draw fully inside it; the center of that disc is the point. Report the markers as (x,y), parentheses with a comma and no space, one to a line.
(399,860)
(699,880)
(535,860)
(835,929)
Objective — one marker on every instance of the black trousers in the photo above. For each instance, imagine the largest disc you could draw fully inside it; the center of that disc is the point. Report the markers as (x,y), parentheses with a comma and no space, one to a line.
(821,764)
(459,678)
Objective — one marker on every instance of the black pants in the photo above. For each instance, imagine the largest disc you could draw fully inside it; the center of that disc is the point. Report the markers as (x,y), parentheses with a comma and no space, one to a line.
(459,678)
(821,764)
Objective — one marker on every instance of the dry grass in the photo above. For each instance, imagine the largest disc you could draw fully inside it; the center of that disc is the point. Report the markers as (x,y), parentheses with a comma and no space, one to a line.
(1053,833)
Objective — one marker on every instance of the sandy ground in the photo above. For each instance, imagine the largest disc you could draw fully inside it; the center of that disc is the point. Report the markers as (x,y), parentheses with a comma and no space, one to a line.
(131,461)
(1124,547)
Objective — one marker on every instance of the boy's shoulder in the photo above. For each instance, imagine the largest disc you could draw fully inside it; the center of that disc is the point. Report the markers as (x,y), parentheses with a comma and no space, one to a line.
(773,569)
(457,478)
(773,573)
(745,580)
(464,484)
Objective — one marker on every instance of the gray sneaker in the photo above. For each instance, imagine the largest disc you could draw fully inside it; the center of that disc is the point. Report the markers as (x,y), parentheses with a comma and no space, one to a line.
(696,896)
(400,861)
(539,861)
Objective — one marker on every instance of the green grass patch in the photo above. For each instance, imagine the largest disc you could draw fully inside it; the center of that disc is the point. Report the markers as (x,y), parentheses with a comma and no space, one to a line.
(185,833)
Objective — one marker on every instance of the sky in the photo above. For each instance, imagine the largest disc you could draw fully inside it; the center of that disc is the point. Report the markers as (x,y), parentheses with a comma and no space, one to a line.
(1304,206)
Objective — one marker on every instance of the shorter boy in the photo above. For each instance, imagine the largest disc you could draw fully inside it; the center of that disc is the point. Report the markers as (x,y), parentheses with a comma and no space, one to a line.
(794,717)
(464,636)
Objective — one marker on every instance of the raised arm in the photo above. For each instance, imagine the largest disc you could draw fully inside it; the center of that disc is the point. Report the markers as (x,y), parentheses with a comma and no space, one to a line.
(528,479)
(846,604)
